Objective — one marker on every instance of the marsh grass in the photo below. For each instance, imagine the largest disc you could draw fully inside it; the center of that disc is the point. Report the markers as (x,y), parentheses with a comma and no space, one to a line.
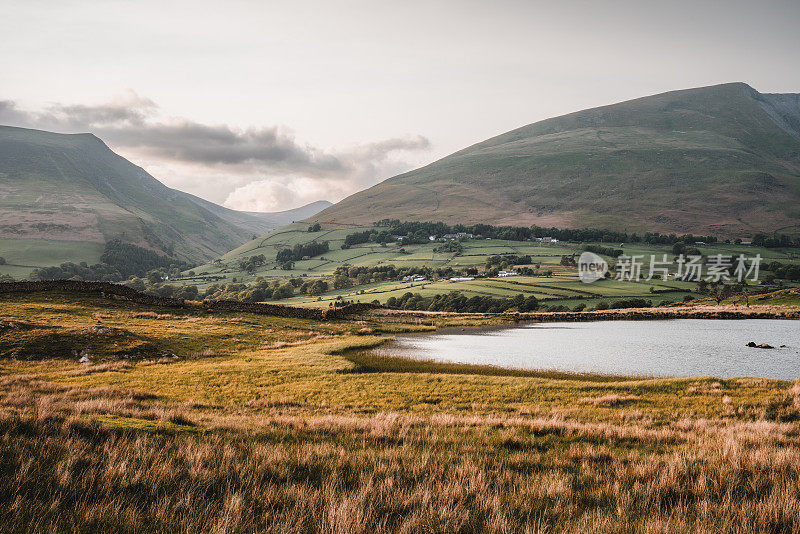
(371,361)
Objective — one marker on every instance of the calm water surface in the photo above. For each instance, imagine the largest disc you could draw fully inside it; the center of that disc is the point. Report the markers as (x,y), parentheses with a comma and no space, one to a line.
(680,347)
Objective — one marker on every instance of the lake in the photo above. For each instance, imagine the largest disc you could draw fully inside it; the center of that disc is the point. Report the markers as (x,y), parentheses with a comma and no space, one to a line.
(677,347)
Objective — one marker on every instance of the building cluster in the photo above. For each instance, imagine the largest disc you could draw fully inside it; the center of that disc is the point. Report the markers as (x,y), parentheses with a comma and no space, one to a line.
(452,237)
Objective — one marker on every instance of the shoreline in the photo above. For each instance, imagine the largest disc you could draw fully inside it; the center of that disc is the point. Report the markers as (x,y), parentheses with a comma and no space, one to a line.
(724,311)
(683,312)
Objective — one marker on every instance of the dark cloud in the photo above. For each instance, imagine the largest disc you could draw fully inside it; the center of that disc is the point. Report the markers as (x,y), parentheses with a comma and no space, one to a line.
(269,156)
(199,143)
(11,116)
(131,123)
(128,111)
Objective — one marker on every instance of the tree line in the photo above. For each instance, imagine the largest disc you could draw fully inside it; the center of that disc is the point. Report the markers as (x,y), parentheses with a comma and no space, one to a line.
(775,241)
(454,301)
(300,251)
(418,231)
(119,261)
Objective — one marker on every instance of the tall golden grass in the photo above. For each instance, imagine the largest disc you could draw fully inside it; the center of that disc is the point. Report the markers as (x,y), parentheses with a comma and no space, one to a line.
(268,424)
(64,470)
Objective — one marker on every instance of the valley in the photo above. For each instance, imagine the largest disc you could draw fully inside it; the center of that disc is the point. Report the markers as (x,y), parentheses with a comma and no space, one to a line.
(554,284)
(168,364)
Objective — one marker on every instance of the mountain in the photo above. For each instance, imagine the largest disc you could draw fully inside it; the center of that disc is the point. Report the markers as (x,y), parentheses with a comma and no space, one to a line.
(722,160)
(63,196)
(272,220)
(281,218)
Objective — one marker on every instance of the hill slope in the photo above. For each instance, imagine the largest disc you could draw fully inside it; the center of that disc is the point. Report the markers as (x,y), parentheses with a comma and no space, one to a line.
(721,160)
(63,196)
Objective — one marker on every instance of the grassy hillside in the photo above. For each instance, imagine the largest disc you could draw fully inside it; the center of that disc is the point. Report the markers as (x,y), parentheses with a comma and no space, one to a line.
(721,160)
(66,195)
(562,287)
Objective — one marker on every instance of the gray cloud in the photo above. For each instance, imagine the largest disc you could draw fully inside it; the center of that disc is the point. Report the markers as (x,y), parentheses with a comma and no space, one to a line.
(234,159)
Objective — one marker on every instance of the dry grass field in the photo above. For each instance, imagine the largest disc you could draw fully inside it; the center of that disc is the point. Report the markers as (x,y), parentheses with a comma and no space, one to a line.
(231,422)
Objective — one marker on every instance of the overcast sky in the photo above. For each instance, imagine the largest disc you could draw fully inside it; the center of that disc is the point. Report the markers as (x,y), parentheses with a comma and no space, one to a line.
(265,105)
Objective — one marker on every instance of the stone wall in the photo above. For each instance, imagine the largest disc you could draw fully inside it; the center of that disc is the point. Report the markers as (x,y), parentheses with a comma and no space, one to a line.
(104,289)
(121,292)
(289,311)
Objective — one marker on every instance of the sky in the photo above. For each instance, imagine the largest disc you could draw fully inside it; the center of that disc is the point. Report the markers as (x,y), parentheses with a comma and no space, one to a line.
(267,105)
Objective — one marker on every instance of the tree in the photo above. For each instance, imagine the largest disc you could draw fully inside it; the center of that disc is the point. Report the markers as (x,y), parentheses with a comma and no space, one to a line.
(155,276)
(187,292)
(341,282)
(284,255)
(720,292)
(318,288)
(136,283)
(166,290)
(283,292)
(316,227)
(252,263)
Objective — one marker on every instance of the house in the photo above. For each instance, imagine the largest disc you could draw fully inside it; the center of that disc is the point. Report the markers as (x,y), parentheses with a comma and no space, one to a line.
(506,273)
(418,278)
(459,235)
(431,238)
(461,279)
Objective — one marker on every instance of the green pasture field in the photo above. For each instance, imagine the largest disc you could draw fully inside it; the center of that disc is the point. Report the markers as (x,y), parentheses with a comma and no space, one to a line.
(24,255)
(562,288)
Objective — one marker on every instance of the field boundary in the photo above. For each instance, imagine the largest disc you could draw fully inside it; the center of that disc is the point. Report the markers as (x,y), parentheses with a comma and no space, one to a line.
(120,292)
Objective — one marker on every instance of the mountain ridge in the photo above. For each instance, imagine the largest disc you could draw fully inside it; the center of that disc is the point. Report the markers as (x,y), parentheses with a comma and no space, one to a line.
(72,188)
(722,160)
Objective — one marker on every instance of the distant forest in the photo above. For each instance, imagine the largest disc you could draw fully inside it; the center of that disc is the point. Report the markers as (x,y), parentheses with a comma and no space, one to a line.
(300,251)
(419,232)
(119,261)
